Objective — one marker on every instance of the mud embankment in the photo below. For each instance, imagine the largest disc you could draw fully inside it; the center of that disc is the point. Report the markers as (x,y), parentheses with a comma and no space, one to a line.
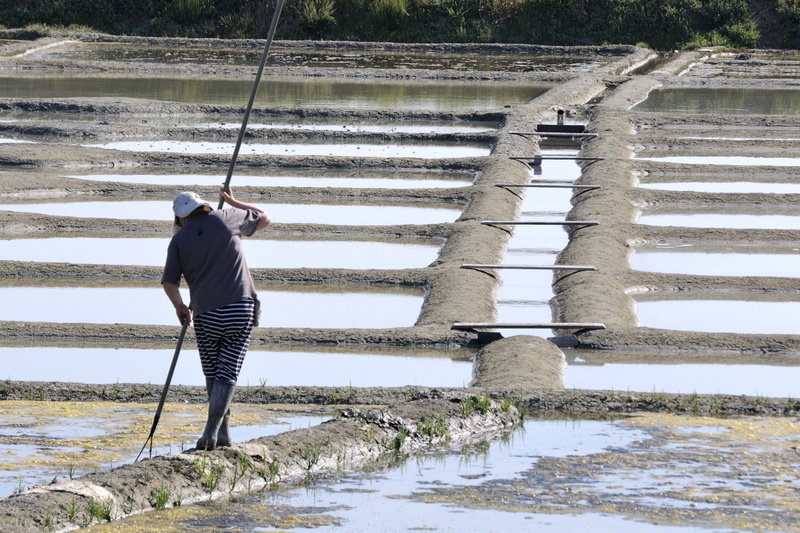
(357,438)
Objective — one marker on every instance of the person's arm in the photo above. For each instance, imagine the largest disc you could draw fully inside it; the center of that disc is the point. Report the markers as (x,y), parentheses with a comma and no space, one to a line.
(174,295)
(233,202)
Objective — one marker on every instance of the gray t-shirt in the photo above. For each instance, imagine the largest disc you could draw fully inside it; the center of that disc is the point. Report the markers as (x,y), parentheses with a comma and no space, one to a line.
(207,251)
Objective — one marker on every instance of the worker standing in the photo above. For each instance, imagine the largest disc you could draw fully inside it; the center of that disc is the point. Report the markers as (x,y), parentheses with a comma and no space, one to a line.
(206,249)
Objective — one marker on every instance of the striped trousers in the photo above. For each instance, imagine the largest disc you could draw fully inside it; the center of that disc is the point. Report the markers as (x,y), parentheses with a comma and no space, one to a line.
(223,336)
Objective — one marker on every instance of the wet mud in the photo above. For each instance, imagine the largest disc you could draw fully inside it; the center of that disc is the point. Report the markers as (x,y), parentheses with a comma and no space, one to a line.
(528,370)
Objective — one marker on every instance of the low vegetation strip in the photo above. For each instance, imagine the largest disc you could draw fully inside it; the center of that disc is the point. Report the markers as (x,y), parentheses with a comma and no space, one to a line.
(663,25)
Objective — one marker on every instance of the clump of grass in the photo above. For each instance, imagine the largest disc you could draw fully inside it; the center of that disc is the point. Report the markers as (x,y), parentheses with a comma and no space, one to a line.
(312,454)
(389,14)
(400,439)
(101,510)
(480,404)
(160,497)
(187,11)
(317,15)
(72,510)
(436,427)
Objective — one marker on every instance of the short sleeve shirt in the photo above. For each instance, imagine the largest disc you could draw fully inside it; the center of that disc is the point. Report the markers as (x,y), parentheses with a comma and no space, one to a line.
(207,252)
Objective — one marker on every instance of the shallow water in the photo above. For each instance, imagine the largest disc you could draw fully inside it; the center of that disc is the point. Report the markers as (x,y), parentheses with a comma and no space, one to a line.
(720,316)
(540,202)
(723,101)
(408,150)
(387,501)
(390,180)
(752,380)
(531,242)
(524,294)
(260,253)
(555,170)
(540,478)
(42,441)
(285,307)
(261,367)
(283,91)
(339,58)
(742,161)
(721,220)
(683,261)
(412,127)
(523,297)
(345,215)
(747,187)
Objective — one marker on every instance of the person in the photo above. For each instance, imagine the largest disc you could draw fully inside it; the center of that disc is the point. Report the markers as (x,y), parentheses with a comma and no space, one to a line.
(206,249)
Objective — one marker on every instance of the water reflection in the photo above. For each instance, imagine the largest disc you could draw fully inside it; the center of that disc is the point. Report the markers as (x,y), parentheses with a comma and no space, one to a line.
(720,220)
(285,213)
(261,367)
(413,127)
(261,253)
(43,441)
(746,187)
(388,180)
(720,315)
(276,91)
(724,101)
(717,263)
(742,161)
(714,378)
(282,307)
(487,486)
(409,150)
(524,294)
(334,58)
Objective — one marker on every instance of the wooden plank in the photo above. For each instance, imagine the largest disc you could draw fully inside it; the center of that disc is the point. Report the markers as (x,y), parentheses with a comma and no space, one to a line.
(532,267)
(553,134)
(548,185)
(556,128)
(540,223)
(543,325)
(556,158)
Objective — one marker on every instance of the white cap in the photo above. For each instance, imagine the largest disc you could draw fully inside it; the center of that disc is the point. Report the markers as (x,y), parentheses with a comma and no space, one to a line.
(186,202)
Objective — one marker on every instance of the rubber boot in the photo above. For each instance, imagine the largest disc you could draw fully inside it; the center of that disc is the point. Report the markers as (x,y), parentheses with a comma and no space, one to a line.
(223,436)
(218,404)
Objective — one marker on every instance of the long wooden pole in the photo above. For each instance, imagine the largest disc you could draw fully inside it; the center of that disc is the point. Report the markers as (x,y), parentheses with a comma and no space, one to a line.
(226,186)
(167,383)
(270,35)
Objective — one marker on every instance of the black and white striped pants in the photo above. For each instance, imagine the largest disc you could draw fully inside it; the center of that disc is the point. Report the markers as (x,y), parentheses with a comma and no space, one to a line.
(223,336)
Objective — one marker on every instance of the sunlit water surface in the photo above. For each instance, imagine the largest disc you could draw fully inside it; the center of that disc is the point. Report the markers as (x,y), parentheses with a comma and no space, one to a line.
(421,494)
(720,220)
(524,294)
(395,180)
(261,367)
(39,449)
(338,214)
(330,58)
(720,316)
(260,253)
(748,379)
(723,101)
(421,151)
(742,161)
(730,263)
(745,187)
(281,308)
(282,91)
